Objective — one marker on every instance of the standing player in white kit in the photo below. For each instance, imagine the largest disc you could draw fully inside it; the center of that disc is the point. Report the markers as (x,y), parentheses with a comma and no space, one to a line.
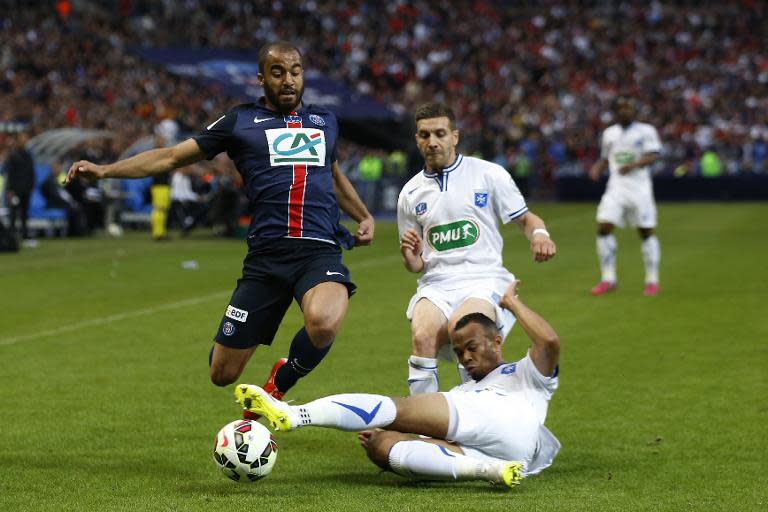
(628,148)
(448,216)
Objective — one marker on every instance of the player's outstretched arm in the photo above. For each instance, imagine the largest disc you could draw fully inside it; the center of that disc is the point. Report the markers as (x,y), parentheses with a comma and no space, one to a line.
(545,348)
(147,163)
(353,206)
(542,246)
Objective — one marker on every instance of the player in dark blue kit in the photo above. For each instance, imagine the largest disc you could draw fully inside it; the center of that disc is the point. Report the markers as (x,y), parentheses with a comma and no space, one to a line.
(286,154)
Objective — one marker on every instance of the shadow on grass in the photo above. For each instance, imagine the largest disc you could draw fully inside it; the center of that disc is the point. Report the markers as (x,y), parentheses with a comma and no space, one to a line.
(383,480)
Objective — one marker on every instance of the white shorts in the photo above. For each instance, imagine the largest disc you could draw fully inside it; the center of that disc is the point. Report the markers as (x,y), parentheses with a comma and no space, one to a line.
(620,206)
(450,294)
(491,426)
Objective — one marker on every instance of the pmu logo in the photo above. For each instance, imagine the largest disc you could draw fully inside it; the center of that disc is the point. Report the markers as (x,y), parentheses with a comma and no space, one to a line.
(624,157)
(291,146)
(454,235)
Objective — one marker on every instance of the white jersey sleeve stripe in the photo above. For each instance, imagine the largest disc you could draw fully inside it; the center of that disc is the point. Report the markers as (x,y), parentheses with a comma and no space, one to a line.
(518,213)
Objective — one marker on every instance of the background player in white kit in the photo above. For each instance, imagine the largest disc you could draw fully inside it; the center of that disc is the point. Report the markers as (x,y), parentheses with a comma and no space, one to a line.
(448,216)
(490,428)
(628,148)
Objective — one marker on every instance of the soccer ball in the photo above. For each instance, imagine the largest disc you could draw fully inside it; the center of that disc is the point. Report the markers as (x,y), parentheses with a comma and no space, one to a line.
(114,230)
(245,451)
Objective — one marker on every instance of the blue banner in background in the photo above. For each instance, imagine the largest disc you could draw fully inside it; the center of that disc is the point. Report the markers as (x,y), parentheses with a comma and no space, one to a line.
(236,71)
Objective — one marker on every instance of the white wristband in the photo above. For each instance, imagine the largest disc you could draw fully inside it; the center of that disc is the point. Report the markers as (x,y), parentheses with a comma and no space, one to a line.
(540,231)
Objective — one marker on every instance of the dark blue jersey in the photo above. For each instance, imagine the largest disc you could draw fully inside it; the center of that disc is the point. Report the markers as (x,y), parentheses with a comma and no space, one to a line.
(285,162)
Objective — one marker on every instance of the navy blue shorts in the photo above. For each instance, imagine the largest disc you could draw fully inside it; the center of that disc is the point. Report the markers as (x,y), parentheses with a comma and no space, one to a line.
(272,277)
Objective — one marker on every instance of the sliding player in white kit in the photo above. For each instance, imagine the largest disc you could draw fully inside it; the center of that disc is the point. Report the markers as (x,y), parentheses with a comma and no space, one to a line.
(490,428)
(628,148)
(448,216)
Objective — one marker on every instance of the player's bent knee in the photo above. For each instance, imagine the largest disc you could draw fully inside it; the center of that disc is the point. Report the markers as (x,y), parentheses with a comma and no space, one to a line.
(645,232)
(379,446)
(604,229)
(321,335)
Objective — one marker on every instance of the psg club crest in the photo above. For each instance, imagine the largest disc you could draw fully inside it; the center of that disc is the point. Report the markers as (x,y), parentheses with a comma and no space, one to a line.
(319,121)
(481,199)
(421,208)
(228,329)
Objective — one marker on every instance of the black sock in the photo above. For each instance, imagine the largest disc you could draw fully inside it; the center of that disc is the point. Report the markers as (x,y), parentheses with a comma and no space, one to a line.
(303,357)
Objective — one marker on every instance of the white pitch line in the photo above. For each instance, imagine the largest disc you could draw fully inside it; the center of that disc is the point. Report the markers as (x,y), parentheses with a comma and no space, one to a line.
(365,263)
(156,309)
(112,318)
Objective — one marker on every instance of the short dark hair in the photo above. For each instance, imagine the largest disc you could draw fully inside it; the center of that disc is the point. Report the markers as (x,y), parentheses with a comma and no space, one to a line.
(624,97)
(276,45)
(488,325)
(432,110)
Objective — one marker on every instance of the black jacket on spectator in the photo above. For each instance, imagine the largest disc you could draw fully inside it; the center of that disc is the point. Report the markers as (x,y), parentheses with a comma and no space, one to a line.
(20,172)
(20,175)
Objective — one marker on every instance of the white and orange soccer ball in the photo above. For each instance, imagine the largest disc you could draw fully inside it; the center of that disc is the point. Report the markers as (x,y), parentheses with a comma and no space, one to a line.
(245,451)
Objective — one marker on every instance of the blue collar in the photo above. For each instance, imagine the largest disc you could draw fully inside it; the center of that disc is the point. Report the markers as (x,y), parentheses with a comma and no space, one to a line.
(453,166)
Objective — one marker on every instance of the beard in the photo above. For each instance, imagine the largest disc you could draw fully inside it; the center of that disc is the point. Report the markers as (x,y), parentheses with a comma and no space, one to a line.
(283,106)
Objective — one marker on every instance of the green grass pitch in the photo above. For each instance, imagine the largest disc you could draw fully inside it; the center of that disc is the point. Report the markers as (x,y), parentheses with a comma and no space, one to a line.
(105,402)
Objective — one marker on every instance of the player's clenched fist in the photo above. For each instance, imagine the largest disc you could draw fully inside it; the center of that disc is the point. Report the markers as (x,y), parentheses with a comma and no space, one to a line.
(364,234)
(86,169)
(543,248)
(410,248)
(410,243)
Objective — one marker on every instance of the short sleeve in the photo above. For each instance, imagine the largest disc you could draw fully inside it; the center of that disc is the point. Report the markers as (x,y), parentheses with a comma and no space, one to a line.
(215,138)
(534,377)
(651,141)
(333,153)
(406,218)
(508,202)
(605,148)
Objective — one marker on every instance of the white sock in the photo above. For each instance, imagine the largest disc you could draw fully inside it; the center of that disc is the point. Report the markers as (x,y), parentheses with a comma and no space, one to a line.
(426,460)
(422,375)
(651,258)
(606,252)
(463,373)
(352,412)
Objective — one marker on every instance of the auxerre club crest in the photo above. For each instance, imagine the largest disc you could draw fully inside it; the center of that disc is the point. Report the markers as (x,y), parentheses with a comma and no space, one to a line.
(457,234)
(296,146)
(481,199)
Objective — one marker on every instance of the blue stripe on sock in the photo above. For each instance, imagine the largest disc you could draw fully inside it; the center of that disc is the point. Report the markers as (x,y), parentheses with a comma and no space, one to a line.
(445,451)
(364,415)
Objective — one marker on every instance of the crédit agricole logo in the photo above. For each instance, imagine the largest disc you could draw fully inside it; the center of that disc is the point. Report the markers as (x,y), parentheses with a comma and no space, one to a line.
(292,146)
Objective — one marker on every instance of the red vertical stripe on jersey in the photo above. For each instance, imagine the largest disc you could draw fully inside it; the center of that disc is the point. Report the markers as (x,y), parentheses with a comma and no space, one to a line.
(296,194)
(296,201)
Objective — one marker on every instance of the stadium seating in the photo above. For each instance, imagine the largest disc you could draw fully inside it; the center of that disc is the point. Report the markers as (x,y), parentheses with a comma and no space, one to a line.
(136,207)
(42,218)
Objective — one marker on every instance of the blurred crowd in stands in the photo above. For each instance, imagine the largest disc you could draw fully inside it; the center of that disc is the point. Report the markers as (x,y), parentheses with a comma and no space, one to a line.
(531,82)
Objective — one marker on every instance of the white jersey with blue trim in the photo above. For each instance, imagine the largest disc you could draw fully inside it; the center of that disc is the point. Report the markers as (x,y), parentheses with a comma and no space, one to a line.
(519,380)
(517,385)
(457,213)
(621,146)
